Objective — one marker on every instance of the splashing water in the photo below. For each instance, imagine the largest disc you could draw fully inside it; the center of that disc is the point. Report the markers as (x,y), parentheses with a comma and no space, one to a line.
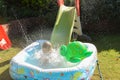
(41,33)
(26,37)
(55,60)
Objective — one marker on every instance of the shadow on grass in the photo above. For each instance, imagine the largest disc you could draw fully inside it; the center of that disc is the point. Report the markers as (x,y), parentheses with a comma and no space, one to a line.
(4,63)
(5,75)
(106,42)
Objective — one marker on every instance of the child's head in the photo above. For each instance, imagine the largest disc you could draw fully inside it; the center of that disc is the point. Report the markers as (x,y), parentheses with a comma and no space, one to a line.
(47,47)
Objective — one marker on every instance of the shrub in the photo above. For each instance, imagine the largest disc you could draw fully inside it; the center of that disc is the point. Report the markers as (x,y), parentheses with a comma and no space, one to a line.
(30,8)
(93,11)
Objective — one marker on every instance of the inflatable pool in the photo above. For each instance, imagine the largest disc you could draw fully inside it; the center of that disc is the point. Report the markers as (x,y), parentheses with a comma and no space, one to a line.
(22,69)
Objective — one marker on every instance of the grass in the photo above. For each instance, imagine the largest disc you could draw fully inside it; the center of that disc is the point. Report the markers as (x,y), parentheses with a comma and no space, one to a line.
(4,62)
(108,55)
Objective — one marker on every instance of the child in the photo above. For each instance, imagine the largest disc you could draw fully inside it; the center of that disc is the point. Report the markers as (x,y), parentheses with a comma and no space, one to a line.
(51,58)
(47,47)
(47,56)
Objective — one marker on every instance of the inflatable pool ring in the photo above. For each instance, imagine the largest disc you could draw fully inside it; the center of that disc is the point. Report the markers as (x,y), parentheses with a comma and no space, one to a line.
(75,51)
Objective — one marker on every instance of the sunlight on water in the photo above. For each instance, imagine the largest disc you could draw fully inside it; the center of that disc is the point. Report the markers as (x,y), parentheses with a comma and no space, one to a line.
(55,60)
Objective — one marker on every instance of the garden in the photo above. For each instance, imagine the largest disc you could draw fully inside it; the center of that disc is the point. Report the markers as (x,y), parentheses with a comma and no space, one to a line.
(99,20)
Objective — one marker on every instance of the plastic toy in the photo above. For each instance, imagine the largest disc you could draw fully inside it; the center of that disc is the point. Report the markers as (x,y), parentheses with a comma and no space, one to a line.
(75,51)
(5,42)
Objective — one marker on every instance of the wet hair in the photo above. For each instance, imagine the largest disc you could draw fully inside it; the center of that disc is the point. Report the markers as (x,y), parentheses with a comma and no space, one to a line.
(46,47)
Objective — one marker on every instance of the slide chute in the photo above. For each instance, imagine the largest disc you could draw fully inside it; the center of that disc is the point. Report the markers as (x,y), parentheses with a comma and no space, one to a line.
(67,22)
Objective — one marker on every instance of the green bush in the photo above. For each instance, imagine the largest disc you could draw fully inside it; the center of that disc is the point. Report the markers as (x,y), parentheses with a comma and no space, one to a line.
(30,8)
(93,11)
(2,8)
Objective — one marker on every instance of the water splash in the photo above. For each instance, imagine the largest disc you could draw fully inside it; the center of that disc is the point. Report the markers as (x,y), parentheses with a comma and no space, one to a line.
(41,32)
(55,60)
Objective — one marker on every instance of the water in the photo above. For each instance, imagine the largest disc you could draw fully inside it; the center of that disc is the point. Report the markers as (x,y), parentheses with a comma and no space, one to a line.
(42,32)
(55,60)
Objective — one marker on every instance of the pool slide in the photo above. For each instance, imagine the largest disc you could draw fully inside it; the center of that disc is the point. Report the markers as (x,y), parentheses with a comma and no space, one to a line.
(67,21)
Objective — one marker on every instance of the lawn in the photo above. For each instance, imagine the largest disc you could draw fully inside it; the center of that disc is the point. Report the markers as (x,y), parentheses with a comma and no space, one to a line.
(108,55)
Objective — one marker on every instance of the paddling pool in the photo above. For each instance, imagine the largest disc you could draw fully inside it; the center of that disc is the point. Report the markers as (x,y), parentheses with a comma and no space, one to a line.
(22,69)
